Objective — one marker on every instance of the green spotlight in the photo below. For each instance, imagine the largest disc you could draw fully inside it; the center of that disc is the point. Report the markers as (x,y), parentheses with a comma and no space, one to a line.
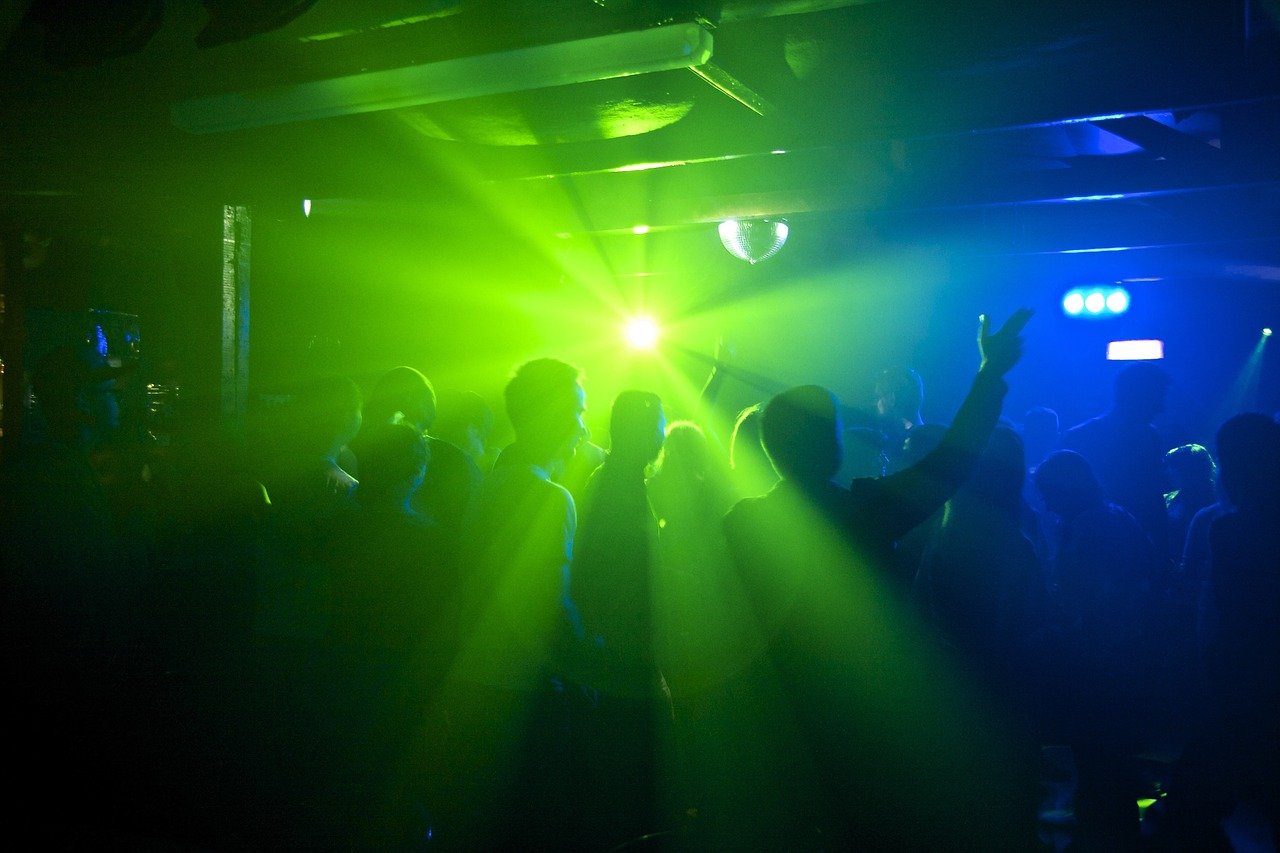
(641,333)
(1266,333)
(306,207)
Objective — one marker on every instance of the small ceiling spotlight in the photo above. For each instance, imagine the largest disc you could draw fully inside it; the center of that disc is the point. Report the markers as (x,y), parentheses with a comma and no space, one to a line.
(1266,333)
(306,207)
(753,240)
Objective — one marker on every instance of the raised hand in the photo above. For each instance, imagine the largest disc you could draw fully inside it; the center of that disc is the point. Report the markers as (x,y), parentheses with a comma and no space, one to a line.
(1001,350)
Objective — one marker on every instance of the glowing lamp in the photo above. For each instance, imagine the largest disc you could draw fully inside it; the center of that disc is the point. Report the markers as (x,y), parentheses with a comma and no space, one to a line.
(641,333)
(1095,302)
(753,240)
(306,207)
(1147,350)
(1266,333)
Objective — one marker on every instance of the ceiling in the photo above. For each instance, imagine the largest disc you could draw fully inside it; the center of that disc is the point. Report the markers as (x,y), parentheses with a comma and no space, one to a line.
(1024,129)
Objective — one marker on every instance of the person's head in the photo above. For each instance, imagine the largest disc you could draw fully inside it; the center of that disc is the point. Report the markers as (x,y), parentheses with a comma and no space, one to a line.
(1140,391)
(464,420)
(899,394)
(545,403)
(326,414)
(685,451)
(401,393)
(800,429)
(1249,460)
(75,387)
(1067,483)
(1191,467)
(637,427)
(393,464)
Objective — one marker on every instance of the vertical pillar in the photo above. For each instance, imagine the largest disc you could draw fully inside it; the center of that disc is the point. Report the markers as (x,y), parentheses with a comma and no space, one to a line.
(236,239)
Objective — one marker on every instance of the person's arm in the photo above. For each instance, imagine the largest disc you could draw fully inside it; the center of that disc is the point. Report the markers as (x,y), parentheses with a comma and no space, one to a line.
(893,505)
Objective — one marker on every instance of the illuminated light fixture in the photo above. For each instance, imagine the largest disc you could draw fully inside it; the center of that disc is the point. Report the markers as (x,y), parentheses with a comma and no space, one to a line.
(640,229)
(641,333)
(306,207)
(1118,301)
(665,48)
(1266,333)
(754,240)
(1095,302)
(1148,350)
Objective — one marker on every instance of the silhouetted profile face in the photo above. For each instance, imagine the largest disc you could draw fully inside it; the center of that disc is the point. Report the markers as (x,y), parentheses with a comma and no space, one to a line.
(800,429)
(545,403)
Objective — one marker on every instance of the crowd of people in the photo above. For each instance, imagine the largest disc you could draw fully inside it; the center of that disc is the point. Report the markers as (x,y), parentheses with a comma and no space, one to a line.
(356,625)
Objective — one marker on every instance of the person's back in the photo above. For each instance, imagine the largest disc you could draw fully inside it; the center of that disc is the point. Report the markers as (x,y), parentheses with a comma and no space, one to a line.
(846,665)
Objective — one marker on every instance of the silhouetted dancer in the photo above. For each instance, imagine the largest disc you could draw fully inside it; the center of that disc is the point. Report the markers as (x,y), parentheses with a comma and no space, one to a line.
(1103,580)
(71,604)
(503,770)
(1125,450)
(614,561)
(861,714)
(404,395)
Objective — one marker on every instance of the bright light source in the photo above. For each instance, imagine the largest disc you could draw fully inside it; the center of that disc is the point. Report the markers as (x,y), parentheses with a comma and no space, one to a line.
(640,229)
(1095,302)
(1135,350)
(1073,303)
(1266,333)
(753,240)
(641,333)
(1118,301)
(306,207)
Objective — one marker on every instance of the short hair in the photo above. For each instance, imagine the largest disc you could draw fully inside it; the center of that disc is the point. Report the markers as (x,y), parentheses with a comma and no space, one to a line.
(906,386)
(1249,459)
(799,429)
(400,389)
(532,385)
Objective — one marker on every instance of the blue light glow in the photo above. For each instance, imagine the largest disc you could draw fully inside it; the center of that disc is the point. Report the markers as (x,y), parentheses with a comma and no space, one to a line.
(1073,303)
(1118,301)
(1095,302)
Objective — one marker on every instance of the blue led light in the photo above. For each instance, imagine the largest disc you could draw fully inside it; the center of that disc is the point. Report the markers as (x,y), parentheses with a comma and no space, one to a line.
(1118,301)
(1095,302)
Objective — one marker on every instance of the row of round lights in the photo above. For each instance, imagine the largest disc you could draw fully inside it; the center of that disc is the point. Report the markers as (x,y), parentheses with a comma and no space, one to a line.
(1095,302)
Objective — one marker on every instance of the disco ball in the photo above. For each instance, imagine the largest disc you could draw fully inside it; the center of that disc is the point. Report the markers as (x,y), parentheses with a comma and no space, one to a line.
(753,240)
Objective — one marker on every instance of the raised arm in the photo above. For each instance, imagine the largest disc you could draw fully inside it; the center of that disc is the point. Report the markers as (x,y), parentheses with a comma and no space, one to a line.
(892,506)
